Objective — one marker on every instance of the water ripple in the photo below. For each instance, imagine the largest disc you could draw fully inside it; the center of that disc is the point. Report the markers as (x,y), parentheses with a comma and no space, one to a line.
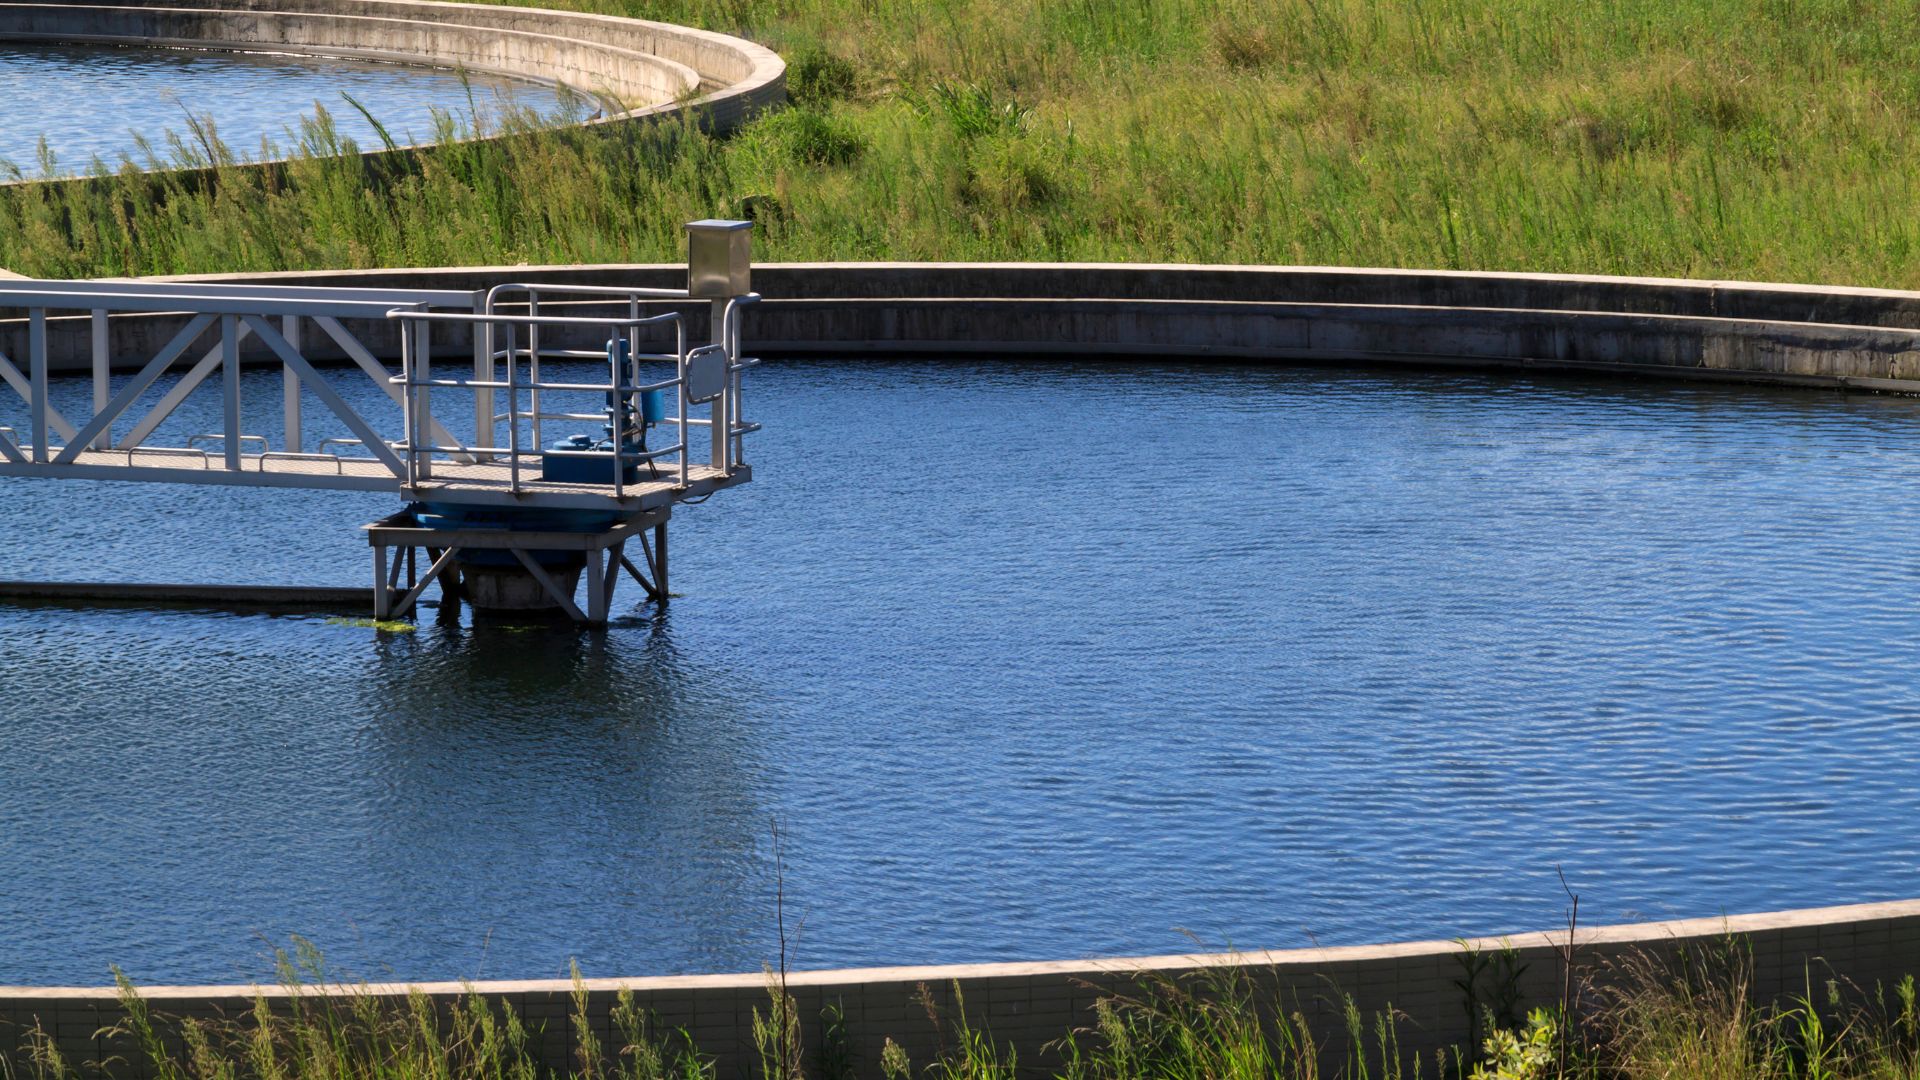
(1269,656)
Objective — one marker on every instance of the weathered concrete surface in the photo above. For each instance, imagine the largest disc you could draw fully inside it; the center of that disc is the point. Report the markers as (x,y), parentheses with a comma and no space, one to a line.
(647,69)
(1802,335)
(1030,1005)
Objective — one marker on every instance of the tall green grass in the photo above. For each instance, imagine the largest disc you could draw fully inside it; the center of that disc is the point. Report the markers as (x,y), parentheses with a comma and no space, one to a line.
(1690,1016)
(1764,139)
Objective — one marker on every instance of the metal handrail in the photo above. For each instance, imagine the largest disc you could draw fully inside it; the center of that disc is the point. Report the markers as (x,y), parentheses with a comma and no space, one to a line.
(214,436)
(634,293)
(339,464)
(530,320)
(730,336)
(621,385)
(206,460)
(491,384)
(584,354)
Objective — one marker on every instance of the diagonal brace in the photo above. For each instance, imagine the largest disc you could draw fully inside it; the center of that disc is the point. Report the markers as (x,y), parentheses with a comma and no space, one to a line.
(129,393)
(188,384)
(546,582)
(382,377)
(13,378)
(290,356)
(440,564)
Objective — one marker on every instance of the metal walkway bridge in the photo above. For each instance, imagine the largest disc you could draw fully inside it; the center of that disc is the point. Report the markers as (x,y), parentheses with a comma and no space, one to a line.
(467,419)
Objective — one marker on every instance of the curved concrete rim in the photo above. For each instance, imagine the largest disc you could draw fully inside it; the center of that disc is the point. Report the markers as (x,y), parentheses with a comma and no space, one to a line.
(1026,1008)
(639,70)
(1801,335)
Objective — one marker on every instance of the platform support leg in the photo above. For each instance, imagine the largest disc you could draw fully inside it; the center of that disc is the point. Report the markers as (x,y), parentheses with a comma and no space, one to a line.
(452,585)
(382,596)
(660,560)
(611,574)
(596,586)
(655,579)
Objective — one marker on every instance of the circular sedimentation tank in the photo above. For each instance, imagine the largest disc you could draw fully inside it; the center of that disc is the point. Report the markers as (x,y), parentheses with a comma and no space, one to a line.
(634,70)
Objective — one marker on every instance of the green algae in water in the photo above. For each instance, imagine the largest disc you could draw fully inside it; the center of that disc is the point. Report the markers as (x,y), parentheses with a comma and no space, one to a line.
(391,626)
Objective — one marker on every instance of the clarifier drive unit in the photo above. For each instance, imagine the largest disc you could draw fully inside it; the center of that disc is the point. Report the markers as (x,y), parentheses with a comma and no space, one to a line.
(563,469)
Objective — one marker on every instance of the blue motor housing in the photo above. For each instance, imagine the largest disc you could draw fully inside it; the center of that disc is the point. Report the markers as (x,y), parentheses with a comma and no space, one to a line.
(581,459)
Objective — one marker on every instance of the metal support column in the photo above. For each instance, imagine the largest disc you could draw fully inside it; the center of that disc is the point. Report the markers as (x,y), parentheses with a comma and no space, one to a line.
(37,361)
(382,597)
(290,387)
(660,561)
(101,364)
(230,385)
(596,576)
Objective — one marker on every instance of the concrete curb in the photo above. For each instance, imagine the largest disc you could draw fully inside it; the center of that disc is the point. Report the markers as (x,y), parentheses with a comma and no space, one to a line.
(1029,1005)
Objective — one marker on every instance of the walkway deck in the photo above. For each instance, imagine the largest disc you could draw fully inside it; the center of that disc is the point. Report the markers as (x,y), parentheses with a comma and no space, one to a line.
(484,483)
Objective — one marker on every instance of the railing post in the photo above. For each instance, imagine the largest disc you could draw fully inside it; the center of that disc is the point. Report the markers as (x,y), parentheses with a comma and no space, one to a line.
(722,437)
(513,407)
(290,387)
(482,372)
(230,385)
(37,360)
(423,404)
(737,445)
(406,400)
(101,362)
(680,398)
(533,364)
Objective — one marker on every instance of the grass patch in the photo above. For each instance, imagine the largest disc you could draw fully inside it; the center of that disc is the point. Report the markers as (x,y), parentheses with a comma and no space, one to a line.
(1690,1015)
(1760,139)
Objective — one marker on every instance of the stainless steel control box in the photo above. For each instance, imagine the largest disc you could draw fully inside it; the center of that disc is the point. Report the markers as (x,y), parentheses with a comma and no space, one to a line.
(719,258)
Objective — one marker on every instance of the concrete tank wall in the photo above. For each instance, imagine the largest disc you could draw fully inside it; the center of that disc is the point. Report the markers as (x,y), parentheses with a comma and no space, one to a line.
(1802,335)
(1028,1006)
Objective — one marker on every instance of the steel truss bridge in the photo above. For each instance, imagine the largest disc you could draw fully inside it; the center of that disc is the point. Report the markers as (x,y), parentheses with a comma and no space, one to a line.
(484,383)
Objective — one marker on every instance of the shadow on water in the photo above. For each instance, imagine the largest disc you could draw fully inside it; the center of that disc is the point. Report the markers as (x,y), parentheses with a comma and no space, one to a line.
(534,760)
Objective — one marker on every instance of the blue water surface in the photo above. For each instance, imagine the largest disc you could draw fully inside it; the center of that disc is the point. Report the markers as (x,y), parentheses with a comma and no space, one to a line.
(1027,660)
(97,102)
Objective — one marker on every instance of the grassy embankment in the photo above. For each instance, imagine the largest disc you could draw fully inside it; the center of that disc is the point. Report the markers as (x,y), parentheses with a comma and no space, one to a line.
(1767,139)
(1690,1017)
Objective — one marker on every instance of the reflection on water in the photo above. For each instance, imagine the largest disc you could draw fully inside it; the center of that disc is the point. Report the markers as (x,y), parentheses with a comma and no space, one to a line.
(98,101)
(1028,660)
(489,737)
